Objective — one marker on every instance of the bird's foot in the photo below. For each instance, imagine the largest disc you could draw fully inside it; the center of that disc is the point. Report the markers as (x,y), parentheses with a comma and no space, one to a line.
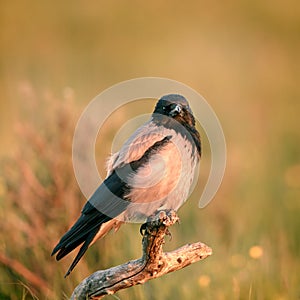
(143,228)
(167,217)
(162,217)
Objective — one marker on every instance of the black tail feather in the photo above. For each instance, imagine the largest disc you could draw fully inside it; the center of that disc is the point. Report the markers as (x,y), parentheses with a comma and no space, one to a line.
(78,234)
(82,232)
(82,250)
(107,199)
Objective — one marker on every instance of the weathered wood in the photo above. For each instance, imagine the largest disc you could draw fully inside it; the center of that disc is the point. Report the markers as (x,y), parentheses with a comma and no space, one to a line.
(154,262)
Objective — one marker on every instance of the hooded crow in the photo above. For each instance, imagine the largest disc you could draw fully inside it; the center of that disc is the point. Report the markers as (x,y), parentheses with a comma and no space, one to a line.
(153,170)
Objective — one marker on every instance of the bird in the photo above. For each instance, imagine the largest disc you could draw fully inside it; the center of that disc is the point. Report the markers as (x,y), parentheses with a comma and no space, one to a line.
(153,171)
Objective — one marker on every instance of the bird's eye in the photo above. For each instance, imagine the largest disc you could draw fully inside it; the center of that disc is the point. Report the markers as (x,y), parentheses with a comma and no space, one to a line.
(164,108)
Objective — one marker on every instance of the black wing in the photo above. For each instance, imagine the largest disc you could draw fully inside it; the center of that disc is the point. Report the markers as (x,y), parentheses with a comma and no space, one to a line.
(107,198)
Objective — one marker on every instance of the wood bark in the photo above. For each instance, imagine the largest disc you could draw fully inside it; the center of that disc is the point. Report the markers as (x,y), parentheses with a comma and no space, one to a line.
(153,263)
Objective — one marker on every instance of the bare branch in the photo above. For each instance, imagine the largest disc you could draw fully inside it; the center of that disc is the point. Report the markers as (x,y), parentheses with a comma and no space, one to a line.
(153,264)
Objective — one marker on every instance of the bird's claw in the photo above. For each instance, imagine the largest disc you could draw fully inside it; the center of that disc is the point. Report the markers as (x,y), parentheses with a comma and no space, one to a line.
(143,229)
(168,233)
(165,217)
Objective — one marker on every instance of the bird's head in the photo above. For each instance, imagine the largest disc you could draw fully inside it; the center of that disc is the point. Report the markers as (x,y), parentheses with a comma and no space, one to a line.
(176,107)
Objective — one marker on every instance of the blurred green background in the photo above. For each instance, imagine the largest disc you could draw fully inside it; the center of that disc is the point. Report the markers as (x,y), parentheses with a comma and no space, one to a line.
(242,56)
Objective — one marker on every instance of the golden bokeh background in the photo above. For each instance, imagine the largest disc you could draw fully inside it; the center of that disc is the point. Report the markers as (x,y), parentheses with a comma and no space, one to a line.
(242,56)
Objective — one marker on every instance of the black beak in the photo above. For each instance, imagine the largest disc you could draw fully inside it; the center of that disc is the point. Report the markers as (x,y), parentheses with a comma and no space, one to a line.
(175,110)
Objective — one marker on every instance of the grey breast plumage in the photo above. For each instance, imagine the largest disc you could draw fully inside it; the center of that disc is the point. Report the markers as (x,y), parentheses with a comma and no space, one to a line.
(164,177)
